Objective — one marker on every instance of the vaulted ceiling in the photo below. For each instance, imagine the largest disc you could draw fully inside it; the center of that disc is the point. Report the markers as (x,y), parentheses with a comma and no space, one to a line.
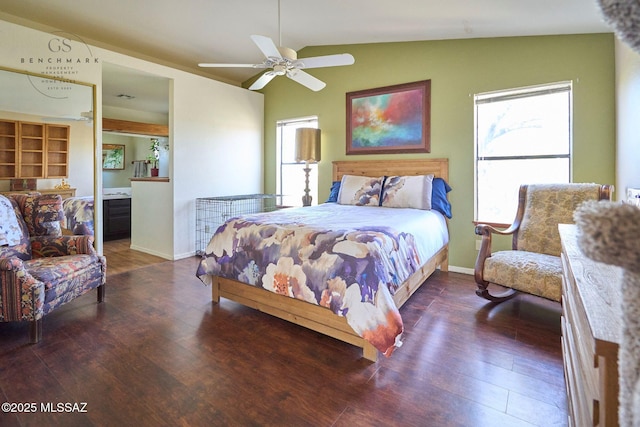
(187,32)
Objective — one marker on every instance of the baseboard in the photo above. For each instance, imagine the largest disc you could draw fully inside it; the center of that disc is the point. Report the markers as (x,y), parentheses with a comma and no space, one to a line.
(151,252)
(463,270)
(185,255)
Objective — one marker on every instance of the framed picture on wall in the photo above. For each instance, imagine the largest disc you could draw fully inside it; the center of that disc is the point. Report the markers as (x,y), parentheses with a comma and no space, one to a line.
(390,119)
(112,156)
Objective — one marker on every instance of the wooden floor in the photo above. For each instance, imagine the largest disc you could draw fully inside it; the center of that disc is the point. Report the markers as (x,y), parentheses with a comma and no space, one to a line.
(158,353)
(120,258)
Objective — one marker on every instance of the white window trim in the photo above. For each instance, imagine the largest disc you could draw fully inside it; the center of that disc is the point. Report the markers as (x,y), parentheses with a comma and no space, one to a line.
(279,125)
(515,93)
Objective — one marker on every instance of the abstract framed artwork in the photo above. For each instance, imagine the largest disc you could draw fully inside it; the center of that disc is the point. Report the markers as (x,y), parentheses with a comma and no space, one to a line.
(390,119)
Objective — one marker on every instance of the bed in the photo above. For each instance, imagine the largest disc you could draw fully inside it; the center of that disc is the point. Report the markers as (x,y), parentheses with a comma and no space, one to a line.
(78,215)
(337,309)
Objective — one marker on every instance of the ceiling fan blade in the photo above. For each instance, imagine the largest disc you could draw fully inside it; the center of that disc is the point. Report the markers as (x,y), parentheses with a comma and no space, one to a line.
(232,65)
(306,79)
(84,116)
(325,61)
(267,46)
(262,81)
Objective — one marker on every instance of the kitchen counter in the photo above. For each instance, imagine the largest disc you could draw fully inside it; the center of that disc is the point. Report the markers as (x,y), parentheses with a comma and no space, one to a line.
(152,179)
(115,196)
(116,193)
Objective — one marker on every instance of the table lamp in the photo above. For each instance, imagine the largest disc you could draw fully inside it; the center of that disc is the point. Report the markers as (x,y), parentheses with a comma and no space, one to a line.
(308,151)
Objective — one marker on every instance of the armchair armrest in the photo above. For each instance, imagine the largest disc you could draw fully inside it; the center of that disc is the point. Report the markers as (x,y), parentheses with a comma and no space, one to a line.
(11,264)
(21,295)
(486,231)
(49,246)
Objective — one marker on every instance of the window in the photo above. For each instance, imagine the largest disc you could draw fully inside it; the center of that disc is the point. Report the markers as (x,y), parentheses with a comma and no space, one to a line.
(522,136)
(290,175)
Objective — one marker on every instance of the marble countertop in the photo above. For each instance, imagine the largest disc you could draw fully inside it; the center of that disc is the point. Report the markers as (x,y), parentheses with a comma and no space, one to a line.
(116,193)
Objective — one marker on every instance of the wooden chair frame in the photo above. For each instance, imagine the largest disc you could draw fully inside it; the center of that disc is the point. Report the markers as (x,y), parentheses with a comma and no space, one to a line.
(486,231)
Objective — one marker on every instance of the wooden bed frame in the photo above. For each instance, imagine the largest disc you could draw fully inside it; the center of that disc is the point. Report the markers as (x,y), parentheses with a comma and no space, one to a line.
(318,318)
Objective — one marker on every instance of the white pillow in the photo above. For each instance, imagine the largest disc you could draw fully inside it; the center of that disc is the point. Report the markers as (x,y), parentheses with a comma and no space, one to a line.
(360,190)
(407,192)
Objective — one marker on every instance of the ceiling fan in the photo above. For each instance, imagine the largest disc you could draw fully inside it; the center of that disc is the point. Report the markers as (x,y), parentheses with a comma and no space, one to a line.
(284,62)
(85,116)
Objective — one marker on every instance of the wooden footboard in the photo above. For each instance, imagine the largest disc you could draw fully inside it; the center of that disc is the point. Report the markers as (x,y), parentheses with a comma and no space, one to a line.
(314,317)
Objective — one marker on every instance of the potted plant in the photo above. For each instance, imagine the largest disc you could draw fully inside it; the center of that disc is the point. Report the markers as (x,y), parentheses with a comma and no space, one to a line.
(155,157)
(153,162)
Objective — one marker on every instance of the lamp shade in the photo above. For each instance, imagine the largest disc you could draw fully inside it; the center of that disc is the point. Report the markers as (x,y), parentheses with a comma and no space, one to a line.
(307,145)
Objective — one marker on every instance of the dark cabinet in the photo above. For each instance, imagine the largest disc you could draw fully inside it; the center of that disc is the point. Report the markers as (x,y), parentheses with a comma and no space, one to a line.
(117,219)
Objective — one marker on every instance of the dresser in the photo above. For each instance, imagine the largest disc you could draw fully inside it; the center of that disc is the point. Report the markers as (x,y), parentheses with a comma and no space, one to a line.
(591,333)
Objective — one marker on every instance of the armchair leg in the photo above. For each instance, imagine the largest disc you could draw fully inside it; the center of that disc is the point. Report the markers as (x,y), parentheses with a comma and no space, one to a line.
(483,292)
(35,331)
(100,293)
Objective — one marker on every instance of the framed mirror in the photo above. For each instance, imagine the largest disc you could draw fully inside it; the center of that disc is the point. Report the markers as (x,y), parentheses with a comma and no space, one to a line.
(66,110)
(112,156)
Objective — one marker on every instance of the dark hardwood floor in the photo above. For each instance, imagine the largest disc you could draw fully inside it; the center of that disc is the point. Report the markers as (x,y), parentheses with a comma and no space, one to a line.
(157,353)
(120,258)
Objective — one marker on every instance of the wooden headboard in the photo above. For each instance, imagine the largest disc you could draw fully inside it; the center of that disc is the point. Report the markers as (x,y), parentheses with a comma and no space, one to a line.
(374,168)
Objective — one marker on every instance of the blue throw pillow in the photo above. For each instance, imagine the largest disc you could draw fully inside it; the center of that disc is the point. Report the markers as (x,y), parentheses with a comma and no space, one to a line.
(439,200)
(333,194)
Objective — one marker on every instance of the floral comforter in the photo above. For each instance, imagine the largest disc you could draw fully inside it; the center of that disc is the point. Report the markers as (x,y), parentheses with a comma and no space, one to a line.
(349,259)
(78,215)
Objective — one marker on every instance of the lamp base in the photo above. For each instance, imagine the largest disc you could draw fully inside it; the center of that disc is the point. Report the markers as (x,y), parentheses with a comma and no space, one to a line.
(306,199)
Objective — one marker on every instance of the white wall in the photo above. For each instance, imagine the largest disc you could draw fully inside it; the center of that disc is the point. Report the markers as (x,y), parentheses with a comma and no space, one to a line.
(215,146)
(628,119)
(149,224)
(224,155)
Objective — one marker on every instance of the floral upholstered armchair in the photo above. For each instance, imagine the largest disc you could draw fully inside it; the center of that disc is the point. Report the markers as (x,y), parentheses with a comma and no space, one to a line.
(40,269)
(533,265)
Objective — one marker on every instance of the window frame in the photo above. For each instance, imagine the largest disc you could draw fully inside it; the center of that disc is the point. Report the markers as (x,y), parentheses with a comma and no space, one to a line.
(306,121)
(512,94)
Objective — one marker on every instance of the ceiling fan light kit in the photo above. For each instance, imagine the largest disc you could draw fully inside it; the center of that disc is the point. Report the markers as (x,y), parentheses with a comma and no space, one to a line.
(284,61)
(287,53)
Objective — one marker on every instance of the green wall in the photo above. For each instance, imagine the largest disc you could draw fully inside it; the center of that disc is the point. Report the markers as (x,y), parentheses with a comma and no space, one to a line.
(457,70)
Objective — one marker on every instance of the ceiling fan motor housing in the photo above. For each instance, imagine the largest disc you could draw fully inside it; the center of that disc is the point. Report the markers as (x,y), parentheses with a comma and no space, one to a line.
(279,70)
(287,53)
